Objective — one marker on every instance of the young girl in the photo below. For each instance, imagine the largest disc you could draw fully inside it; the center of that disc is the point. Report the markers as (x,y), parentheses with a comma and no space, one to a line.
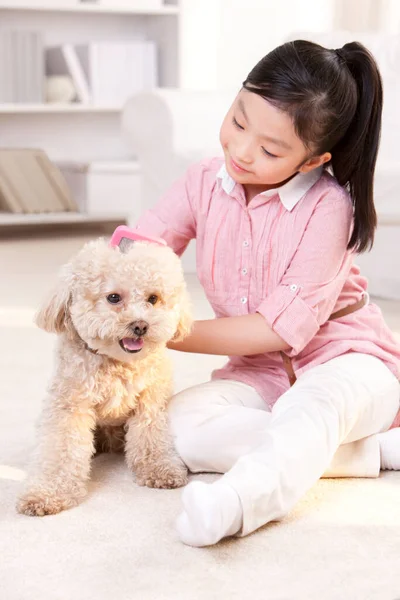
(312,379)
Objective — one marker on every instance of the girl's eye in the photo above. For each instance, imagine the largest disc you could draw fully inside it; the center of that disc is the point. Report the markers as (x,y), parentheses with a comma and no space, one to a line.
(114,298)
(268,153)
(153,299)
(236,124)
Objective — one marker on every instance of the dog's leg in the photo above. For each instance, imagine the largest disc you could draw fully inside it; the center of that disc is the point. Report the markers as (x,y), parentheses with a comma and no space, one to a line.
(150,451)
(63,463)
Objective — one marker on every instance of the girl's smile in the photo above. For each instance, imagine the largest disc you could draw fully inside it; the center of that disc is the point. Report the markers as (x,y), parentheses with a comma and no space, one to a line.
(236,167)
(262,150)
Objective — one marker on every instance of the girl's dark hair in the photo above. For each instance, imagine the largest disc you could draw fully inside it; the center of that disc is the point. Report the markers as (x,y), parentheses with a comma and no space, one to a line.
(335,100)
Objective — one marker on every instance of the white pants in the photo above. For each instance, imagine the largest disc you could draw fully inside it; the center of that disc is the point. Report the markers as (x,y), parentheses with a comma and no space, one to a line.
(322,426)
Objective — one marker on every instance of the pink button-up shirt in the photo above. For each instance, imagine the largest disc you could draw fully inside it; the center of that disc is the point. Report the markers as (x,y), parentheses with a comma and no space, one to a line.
(283,255)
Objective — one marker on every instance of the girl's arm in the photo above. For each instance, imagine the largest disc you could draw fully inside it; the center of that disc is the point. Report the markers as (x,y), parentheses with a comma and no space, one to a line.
(292,314)
(232,336)
(173,218)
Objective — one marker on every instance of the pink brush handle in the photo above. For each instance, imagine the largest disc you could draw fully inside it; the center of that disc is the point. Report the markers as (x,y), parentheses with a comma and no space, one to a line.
(124,232)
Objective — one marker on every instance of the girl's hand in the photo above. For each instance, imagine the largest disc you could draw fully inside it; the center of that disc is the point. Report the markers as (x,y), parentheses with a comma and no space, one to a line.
(232,336)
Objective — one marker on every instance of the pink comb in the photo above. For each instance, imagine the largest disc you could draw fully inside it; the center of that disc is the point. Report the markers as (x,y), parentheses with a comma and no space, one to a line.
(123,238)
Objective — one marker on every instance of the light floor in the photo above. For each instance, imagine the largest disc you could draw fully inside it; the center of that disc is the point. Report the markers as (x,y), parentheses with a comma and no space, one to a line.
(341,542)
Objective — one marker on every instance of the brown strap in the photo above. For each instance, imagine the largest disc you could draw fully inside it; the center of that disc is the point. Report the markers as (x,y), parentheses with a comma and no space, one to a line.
(347,310)
(287,363)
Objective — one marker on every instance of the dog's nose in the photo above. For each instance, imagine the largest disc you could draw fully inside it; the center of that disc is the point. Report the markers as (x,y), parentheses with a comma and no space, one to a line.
(139,328)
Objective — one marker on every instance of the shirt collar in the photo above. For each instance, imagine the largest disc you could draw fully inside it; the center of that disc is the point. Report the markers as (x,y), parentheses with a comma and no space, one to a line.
(289,194)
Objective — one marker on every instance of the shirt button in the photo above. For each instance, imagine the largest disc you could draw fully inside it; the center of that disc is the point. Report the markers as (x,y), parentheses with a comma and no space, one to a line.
(243,300)
(244,271)
(245,243)
(293,287)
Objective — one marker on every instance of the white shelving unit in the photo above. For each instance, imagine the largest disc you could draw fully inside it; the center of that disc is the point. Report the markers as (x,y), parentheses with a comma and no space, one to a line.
(96,7)
(79,132)
(21,109)
(18,220)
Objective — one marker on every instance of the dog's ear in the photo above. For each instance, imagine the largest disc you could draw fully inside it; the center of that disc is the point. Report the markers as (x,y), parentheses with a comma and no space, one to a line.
(185,317)
(53,316)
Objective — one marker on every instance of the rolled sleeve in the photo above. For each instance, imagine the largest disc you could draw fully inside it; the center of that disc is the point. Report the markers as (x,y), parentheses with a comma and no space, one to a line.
(309,290)
(290,317)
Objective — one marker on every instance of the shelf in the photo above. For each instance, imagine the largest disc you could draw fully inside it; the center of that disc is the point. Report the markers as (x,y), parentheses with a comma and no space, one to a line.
(59,218)
(91,8)
(56,108)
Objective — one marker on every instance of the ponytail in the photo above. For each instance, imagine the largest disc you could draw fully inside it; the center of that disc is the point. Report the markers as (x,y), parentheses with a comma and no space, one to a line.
(354,156)
(334,98)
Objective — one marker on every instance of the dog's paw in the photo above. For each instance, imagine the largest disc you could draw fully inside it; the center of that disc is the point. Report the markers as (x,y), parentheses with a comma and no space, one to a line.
(165,476)
(39,504)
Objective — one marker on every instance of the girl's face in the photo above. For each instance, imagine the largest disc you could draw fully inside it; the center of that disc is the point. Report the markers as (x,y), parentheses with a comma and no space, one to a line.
(260,145)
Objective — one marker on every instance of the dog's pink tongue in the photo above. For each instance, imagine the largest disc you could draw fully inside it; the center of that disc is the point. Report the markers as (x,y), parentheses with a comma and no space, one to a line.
(131,344)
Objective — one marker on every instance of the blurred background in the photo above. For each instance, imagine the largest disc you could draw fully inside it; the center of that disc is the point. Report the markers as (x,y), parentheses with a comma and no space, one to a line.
(103,103)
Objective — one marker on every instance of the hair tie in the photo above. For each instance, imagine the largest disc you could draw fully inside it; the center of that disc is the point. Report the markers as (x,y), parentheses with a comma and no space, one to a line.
(340,53)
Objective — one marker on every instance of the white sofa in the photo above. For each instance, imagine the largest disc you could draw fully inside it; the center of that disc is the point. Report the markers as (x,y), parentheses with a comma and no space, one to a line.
(169,129)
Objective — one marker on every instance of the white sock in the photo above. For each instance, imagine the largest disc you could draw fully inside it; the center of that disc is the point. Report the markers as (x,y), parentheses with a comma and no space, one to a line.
(210,513)
(389,443)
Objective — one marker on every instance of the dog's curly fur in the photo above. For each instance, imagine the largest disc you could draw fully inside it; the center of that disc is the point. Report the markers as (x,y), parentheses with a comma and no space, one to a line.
(102,397)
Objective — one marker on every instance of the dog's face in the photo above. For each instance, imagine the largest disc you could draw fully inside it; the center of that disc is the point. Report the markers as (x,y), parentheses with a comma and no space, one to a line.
(123,305)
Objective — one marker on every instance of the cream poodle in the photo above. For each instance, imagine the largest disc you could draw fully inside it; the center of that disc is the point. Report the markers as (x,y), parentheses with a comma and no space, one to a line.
(114,313)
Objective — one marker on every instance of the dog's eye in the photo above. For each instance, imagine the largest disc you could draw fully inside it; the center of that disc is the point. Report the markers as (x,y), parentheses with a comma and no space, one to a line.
(153,299)
(113,298)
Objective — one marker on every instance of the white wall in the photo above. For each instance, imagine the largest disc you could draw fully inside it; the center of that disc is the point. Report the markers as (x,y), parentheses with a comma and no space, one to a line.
(221,40)
(358,15)
(390,15)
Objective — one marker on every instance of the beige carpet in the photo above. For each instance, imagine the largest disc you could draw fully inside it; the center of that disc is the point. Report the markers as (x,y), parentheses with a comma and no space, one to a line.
(341,542)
